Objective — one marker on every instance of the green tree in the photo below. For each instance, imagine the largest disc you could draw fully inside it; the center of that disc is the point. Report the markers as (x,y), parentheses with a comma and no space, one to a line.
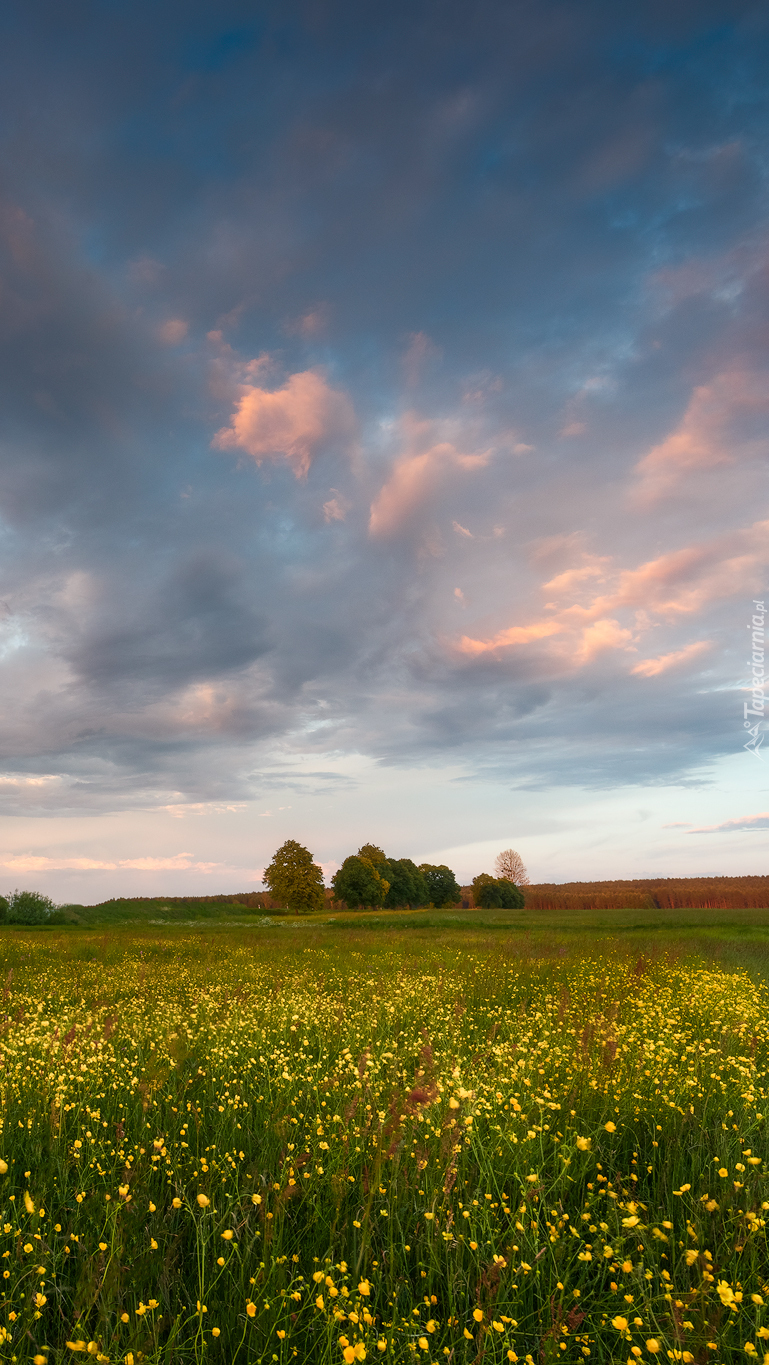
(374,853)
(358,882)
(29,907)
(295,879)
(441,884)
(407,884)
(496,892)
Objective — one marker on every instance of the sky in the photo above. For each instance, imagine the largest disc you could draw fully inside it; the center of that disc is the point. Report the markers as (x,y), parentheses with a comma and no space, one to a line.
(384,421)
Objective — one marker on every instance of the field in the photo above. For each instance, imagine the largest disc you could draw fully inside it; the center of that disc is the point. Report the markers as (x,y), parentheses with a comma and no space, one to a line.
(330,1142)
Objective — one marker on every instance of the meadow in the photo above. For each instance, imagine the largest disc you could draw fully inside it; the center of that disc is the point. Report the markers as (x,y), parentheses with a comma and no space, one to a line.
(326,1143)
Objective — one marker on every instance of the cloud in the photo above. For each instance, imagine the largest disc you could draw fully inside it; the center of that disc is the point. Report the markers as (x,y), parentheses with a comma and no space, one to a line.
(650,668)
(290,423)
(418,475)
(725,421)
(336,508)
(744,823)
(462,530)
(173,332)
(513,635)
(27,862)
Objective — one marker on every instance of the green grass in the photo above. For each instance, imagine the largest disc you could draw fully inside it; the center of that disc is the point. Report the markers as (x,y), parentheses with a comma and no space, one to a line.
(409,1123)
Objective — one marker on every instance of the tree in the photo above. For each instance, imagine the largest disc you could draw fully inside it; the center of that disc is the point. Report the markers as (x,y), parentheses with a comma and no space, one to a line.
(407,884)
(496,892)
(359,883)
(509,865)
(441,884)
(295,879)
(374,853)
(29,907)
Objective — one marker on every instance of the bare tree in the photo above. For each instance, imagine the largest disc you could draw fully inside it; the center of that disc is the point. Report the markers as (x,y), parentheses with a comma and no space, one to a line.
(510,866)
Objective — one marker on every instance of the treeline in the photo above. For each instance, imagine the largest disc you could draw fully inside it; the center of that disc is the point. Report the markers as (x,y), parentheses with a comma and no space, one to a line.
(652,893)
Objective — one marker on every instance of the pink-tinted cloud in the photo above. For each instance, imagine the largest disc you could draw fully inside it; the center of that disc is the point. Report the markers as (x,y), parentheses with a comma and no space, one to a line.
(678,584)
(742,822)
(650,668)
(514,635)
(418,475)
(290,423)
(716,429)
(24,862)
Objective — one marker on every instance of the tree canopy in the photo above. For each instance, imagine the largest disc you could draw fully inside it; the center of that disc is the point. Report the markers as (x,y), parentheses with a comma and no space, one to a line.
(441,884)
(359,883)
(496,892)
(295,879)
(509,865)
(28,907)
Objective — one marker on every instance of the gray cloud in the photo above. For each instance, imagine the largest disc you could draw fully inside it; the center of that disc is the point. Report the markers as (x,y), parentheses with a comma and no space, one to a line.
(565,205)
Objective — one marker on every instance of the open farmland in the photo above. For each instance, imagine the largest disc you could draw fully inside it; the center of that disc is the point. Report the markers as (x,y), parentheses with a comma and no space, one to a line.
(328,1145)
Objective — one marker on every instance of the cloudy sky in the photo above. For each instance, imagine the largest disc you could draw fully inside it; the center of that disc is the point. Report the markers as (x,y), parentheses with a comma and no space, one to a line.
(384,420)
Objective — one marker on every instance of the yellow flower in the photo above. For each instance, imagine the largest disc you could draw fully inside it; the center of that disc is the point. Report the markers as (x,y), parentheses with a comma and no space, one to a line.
(364,1288)
(122,1191)
(153,1244)
(203,1201)
(251,1310)
(468,1335)
(39,1360)
(320,1302)
(76,1345)
(3,1167)
(653,1346)
(176,1203)
(498,1326)
(129,1359)
(723,1172)
(619,1323)
(478,1314)
(584,1143)
(216,1331)
(610,1127)
(256,1199)
(430,1326)
(40,1301)
(228,1234)
(29,1202)
(281,1333)
(423,1344)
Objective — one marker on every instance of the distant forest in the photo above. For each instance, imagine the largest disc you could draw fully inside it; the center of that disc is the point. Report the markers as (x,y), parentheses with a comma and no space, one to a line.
(646,893)
(649,893)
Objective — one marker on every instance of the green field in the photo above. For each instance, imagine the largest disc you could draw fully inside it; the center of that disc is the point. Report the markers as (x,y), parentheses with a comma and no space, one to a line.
(437,1136)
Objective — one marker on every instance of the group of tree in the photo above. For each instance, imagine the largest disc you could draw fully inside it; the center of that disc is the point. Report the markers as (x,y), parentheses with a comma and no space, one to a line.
(26,907)
(367,879)
(371,878)
(502,892)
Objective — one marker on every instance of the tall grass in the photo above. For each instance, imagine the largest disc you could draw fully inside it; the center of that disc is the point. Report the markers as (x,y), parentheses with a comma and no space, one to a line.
(250,1147)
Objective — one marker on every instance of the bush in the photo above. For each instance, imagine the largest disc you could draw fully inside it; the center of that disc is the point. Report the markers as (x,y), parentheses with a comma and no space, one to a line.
(496,893)
(29,907)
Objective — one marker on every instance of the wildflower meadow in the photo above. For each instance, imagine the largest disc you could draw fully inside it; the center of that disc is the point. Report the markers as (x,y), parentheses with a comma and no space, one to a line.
(250,1147)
